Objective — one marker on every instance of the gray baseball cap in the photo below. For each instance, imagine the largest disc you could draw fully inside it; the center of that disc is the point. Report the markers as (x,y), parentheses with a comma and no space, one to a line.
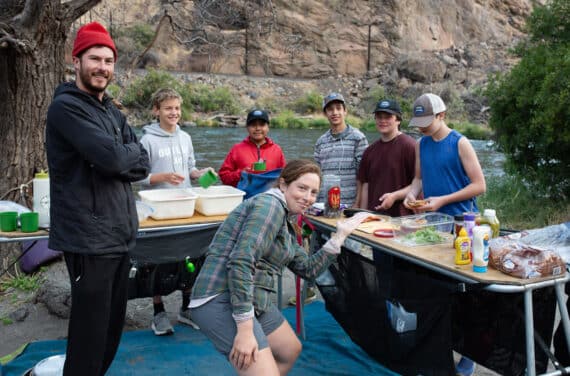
(425,108)
(333,97)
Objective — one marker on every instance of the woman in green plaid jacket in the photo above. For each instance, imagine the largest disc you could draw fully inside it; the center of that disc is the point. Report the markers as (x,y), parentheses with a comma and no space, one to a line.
(232,299)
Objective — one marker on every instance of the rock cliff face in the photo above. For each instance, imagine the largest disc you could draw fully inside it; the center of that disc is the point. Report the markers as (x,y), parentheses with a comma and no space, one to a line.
(406,46)
(423,41)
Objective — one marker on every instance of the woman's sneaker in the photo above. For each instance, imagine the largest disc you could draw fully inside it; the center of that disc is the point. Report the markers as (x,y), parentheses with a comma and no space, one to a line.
(185,318)
(161,324)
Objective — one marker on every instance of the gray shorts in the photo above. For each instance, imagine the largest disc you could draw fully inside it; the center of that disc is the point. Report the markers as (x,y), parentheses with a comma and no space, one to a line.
(216,322)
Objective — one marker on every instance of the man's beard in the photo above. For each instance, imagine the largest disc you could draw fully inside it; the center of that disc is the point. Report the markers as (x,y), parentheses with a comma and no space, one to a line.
(86,77)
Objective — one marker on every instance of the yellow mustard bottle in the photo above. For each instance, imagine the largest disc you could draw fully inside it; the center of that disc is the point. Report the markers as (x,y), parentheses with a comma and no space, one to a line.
(462,248)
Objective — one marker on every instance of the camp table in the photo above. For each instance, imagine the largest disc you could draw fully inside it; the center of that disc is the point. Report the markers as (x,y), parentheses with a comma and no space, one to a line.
(440,259)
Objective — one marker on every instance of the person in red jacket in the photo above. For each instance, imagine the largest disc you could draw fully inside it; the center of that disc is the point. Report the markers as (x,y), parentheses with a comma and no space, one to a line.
(256,147)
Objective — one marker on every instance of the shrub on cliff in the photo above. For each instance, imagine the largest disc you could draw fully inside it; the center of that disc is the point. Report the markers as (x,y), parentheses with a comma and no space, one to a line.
(530,105)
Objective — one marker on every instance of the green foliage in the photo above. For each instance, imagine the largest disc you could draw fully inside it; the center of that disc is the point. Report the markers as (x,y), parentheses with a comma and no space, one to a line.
(139,92)
(368,125)
(140,34)
(113,90)
(269,104)
(518,205)
(288,119)
(196,97)
(309,103)
(319,123)
(530,110)
(6,321)
(356,122)
(550,23)
(471,131)
(23,282)
(206,99)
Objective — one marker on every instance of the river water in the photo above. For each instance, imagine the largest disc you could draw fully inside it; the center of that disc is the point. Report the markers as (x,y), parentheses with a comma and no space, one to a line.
(212,144)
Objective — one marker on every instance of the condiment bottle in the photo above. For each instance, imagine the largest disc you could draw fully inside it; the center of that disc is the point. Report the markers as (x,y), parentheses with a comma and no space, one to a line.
(462,248)
(469,223)
(40,186)
(457,225)
(490,218)
(480,248)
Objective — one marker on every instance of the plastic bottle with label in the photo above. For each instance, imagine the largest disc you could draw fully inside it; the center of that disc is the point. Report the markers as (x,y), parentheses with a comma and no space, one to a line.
(462,248)
(480,248)
(490,218)
(40,186)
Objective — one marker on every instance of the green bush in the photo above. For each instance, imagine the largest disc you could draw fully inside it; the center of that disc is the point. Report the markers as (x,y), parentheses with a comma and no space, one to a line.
(113,90)
(309,103)
(269,104)
(319,123)
(141,34)
(139,92)
(206,99)
(519,207)
(368,125)
(471,131)
(530,110)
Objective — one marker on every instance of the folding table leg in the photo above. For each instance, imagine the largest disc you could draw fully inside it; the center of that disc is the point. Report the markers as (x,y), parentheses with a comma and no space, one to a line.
(563,312)
(529,331)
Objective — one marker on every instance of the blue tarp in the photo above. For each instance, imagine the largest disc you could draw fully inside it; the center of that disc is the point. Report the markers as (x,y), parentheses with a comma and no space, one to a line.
(326,351)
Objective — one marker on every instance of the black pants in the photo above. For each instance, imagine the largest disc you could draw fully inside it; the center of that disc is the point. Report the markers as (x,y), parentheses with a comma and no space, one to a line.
(98,305)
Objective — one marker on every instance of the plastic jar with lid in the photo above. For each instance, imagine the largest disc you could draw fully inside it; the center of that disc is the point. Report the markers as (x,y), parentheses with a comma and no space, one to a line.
(490,218)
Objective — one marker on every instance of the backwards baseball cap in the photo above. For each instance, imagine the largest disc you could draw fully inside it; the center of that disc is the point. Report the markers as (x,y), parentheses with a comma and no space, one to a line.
(257,115)
(425,108)
(333,97)
(92,34)
(389,106)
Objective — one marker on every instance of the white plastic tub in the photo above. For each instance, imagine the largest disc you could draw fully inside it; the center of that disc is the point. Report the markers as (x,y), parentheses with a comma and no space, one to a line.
(170,203)
(217,199)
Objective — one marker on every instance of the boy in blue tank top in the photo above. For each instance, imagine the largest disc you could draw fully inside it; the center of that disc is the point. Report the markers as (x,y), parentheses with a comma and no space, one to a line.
(447,171)
(447,168)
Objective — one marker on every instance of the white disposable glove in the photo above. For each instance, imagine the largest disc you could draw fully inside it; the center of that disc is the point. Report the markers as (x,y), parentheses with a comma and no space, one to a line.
(343,229)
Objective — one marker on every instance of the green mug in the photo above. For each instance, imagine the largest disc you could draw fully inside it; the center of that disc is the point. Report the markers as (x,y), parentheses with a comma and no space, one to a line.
(29,222)
(8,221)
(208,178)
(259,166)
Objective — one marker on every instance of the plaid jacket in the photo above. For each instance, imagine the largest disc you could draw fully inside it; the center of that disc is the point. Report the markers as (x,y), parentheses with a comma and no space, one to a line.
(249,252)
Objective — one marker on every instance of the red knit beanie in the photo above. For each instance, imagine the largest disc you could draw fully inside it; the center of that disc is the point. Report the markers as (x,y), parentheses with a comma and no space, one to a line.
(92,34)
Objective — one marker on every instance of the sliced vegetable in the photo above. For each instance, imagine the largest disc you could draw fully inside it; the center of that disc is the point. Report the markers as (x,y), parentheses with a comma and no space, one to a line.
(428,235)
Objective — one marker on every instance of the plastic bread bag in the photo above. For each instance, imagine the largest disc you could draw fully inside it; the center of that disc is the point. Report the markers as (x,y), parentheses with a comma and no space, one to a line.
(556,237)
(518,259)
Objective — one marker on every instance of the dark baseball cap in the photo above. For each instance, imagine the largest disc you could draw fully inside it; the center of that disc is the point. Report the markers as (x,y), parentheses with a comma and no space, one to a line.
(389,106)
(257,115)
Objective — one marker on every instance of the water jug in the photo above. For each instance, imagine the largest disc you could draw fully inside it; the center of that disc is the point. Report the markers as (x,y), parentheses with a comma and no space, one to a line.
(41,197)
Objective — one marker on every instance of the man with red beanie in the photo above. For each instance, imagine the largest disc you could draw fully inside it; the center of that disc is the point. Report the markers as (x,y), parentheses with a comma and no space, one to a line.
(93,156)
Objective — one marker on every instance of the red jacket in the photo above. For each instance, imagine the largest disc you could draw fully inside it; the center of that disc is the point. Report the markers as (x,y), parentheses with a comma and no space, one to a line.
(242,155)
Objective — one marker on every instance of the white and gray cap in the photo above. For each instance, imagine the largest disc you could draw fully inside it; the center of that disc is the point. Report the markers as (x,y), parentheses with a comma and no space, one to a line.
(425,108)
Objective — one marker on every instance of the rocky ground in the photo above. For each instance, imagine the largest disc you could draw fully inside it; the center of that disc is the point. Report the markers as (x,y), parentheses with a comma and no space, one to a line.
(42,315)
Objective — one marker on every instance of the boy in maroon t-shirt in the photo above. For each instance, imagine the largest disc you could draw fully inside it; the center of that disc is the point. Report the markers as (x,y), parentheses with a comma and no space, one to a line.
(388,165)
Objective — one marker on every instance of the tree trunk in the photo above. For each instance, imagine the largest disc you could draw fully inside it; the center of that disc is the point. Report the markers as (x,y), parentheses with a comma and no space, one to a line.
(29,79)
(32,48)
